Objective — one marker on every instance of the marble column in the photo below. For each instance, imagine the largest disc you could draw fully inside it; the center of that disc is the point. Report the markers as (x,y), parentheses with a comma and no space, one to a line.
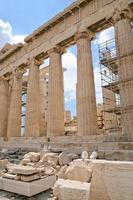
(55,122)
(124,45)
(86,99)
(33,100)
(4,99)
(14,115)
(43,102)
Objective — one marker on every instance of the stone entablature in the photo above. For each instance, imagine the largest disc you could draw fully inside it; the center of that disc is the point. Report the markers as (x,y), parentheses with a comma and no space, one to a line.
(60,30)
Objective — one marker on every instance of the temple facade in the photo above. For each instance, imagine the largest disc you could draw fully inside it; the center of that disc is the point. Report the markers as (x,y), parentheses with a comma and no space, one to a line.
(78,24)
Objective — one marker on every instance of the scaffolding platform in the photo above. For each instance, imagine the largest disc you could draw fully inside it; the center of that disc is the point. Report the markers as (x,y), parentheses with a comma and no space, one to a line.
(110,84)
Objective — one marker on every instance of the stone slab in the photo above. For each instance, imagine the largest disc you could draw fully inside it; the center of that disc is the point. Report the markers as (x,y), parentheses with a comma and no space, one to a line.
(9,176)
(3,163)
(72,190)
(30,178)
(27,188)
(24,170)
(112,180)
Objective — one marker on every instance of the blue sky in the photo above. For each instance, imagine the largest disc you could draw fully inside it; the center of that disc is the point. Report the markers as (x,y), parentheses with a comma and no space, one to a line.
(27,15)
(19,18)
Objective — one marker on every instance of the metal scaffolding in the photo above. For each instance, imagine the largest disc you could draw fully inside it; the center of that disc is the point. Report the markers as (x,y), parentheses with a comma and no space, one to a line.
(110,84)
(23,103)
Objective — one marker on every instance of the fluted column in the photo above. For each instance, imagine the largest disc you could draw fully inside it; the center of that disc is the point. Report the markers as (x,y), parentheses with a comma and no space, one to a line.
(124,44)
(14,115)
(43,99)
(4,98)
(33,100)
(55,124)
(86,100)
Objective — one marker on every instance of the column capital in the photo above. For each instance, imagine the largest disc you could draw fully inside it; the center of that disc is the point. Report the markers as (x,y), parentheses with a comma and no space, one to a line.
(3,78)
(121,14)
(85,34)
(18,73)
(34,61)
(57,49)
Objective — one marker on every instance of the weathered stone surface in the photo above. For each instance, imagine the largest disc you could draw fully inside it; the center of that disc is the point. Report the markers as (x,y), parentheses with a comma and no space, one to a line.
(3,163)
(124,43)
(14,113)
(56,188)
(61,174)
(50,171)
(112,180)
(10,167)
(9,176)
(33,106)
(94,155)
(71,190)
(2,171)
(66,158)
(120,155)
(27,188)
(25,170)
(30,177)
(84,155)
(51,158)
(34,157)
(17,177)
(79,171)
(25,161)
(31,164)
(4,99)
(86,98)
(55,122)
(46,170)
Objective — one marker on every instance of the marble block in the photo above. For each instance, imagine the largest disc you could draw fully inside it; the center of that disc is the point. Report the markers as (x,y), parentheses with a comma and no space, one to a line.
(27,188)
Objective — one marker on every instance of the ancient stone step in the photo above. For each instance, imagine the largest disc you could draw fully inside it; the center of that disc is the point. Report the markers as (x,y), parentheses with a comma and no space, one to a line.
(126,145)
(121,155)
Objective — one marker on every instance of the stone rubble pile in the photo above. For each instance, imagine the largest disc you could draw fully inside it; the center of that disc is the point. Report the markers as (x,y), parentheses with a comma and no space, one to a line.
(31,167)
(73,173)
(35,166)
(74,179)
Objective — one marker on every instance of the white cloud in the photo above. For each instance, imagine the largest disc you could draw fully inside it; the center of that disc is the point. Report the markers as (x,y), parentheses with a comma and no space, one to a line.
(106,35)
(17,38)
(70,78)
(6,34)
(69,62)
